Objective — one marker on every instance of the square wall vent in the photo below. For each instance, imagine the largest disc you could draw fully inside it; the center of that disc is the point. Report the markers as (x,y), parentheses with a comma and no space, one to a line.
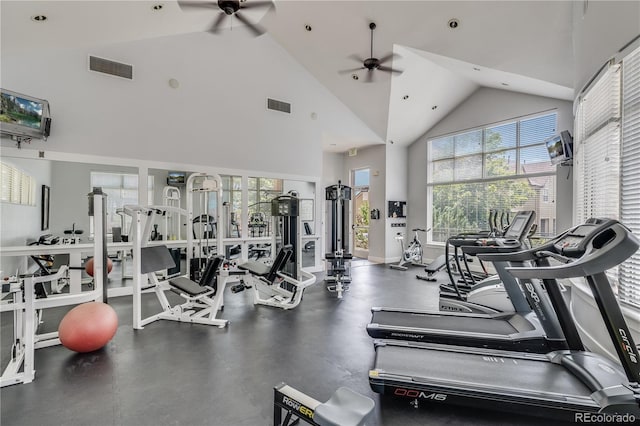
(278,105)
(106,66)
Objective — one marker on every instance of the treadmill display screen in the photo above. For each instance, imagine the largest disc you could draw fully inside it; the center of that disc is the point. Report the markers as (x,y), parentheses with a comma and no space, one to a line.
(516,227)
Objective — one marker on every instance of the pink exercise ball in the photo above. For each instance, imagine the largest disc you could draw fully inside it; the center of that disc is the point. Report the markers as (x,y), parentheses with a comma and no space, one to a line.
(88,327)
(89,266)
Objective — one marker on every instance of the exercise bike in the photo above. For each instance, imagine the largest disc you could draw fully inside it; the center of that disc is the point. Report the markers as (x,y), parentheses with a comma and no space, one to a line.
(413,253)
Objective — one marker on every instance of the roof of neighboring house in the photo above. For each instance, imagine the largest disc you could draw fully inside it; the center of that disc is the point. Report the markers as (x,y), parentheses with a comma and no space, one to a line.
(541,167)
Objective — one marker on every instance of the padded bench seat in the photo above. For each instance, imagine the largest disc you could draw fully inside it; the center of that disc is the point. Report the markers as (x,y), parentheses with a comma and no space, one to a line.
(189,287)
(260,269)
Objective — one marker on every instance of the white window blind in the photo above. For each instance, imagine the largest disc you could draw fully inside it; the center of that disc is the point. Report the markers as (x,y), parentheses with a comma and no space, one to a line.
(629,276)
(17,187)
(121,189)
(597,146)
(504,166)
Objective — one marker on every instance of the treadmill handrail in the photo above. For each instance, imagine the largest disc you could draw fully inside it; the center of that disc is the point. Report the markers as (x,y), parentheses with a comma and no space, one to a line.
(516,256)
(601,245)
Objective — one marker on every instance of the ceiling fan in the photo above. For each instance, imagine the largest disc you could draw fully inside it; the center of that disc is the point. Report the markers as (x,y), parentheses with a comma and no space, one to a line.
(372,63)
(230,8)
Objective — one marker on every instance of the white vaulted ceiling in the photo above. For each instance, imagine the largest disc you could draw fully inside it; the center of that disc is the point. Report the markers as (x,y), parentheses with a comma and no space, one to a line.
(523,46)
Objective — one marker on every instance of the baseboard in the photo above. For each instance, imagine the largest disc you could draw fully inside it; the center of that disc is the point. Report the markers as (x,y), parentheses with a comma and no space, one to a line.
(378,259)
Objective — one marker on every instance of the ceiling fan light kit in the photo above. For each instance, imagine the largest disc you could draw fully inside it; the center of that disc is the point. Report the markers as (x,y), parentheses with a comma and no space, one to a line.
(372,63)
(230,8)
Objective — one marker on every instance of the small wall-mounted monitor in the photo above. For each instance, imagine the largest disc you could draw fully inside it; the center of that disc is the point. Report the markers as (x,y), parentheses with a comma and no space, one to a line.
(177,178)
(23,116)
(397,209)
(560,147)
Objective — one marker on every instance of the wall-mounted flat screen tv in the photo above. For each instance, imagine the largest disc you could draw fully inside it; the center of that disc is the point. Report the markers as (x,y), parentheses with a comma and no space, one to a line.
(560,147)
(177,178)
(24,116)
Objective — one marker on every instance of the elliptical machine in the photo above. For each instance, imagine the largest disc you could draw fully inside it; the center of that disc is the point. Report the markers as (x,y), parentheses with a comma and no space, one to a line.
(338,257)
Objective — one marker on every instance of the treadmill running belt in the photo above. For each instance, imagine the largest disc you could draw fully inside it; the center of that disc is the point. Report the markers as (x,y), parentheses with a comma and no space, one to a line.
(481,372)
(443,322)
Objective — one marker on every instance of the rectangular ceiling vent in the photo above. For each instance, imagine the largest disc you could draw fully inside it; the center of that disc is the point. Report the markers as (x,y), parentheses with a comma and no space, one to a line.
(278,105)
(110,67)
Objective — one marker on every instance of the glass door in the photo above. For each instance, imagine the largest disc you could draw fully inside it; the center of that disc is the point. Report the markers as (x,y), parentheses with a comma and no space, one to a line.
(361,213)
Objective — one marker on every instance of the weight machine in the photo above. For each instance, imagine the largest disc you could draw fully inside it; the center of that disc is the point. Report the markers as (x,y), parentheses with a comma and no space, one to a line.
(282,284)
(199,248)
(338,257)
(172,226)
(203,298)
(26,299)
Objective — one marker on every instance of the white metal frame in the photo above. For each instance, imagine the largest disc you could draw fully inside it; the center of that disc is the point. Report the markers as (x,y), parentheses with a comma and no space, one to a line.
(27,309)
(200,309)
(277,294)
(205,184)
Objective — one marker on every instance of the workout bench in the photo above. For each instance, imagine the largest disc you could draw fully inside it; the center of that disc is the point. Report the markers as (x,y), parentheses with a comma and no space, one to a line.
(270,285)
(203,299)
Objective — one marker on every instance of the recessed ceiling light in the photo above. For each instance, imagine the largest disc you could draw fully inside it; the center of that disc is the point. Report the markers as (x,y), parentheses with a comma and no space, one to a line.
(505,84)
(39,18)
(476,69)
(435,107)
(157,7)
(173,83)
(405,97)
(355,76)
(307,27)
(453,23)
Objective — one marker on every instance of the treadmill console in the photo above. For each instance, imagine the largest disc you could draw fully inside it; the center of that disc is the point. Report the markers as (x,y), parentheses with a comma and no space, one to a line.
(574,242)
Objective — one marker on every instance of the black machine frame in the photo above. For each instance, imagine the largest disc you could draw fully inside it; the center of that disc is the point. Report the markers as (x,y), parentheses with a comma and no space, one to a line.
(560,384)
(539,331)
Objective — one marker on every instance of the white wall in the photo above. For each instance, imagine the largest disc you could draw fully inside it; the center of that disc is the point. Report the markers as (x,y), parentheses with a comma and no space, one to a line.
(217,117)
(396,190)
(20,224)
(487,106)
(333,169)
(374,159)
(600,29)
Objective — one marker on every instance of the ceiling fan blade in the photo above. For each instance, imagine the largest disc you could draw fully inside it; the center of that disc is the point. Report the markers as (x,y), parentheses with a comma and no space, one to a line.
(389,69)
(369,78)
(255,29)
(255,4)
(215,28)
(385,58)
(356,58)
(350,70)
(198,4)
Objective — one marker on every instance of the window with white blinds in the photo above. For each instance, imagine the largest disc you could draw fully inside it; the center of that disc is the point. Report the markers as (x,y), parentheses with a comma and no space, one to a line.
(121,189)
(17,187)
(597,146)
(502,167)
(629,275)
(607,159)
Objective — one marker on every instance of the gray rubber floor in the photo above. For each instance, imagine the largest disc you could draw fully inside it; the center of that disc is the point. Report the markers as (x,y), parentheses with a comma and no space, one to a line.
(181,374)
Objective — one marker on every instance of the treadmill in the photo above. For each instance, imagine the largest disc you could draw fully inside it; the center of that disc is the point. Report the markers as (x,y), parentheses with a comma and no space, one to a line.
(524,330)
(558,384)
(463,297)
